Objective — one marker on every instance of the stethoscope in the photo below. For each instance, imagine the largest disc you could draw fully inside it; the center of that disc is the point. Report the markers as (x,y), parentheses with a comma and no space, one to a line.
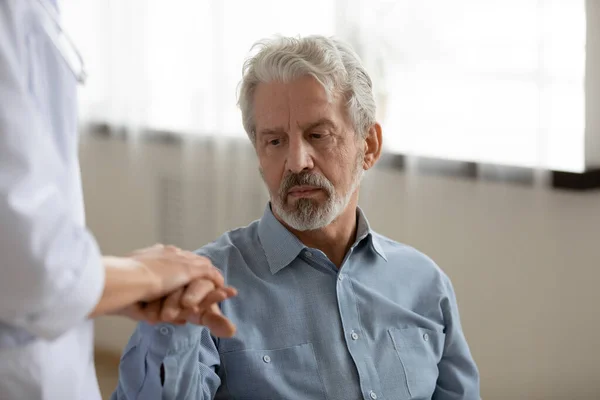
(63,43)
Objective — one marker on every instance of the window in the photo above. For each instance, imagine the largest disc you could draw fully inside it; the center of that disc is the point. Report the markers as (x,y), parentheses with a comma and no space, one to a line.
(496,81)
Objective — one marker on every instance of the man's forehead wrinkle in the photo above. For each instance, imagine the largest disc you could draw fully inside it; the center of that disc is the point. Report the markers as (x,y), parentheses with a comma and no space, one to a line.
(291,108)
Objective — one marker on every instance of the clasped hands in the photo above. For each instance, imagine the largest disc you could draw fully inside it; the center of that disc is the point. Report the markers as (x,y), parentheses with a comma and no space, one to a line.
(186,288)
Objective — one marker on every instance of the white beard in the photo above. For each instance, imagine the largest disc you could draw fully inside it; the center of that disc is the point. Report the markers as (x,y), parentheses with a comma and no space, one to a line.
(309,215)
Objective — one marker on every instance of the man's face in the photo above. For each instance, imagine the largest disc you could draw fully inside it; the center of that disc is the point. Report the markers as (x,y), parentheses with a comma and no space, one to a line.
(310,157)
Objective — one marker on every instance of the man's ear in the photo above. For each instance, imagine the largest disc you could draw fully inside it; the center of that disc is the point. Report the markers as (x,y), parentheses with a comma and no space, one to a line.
(373,145)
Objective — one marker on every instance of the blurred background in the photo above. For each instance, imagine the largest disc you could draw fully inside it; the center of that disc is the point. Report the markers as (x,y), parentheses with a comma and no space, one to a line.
(483,104)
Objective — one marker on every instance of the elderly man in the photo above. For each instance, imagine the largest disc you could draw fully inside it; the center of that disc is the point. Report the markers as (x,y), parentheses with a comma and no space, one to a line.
(327,308)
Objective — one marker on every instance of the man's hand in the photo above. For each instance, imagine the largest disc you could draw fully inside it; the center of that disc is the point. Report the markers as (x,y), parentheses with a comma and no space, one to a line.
(197,304)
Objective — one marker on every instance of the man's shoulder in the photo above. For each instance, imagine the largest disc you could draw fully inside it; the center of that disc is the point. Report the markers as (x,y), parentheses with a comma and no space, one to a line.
(408,258)
(239,241)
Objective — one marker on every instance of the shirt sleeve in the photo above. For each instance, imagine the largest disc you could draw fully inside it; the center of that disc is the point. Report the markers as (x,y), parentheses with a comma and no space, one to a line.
(458,375)
(51,275)
(187,356)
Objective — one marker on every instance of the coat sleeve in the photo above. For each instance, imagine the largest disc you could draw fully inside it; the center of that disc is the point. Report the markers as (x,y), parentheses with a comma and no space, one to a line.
(51,275)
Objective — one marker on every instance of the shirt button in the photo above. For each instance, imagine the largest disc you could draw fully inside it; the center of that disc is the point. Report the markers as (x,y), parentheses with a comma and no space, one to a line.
(164,330)
(426,337)
(308,253)
(373,395)
(354,336)
(267,359)
(340,277)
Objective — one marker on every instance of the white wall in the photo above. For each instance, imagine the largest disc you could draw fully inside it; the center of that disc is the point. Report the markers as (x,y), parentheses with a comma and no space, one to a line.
(525,262)
(592,85)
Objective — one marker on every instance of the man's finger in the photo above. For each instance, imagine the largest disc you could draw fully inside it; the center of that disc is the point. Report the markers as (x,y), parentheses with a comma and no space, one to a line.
(196,292)
(230,290)
(218,324)
(214,297)
(151,311)
(215,321)
(171,307)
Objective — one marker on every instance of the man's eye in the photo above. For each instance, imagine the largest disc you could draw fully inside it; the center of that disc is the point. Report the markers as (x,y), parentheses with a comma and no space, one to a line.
(274,142)
(317,135)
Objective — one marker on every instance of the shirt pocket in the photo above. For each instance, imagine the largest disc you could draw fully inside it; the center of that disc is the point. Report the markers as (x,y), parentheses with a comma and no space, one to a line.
(419,351)
(286,373)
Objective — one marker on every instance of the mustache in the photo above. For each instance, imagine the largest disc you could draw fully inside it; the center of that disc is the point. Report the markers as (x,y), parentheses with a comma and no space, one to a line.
(304,178)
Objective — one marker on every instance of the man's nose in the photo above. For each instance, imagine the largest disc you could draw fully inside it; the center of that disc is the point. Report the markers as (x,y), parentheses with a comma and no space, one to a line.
(299,156)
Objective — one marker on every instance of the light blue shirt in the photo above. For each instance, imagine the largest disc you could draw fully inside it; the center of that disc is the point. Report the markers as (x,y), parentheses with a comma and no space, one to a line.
(383,326)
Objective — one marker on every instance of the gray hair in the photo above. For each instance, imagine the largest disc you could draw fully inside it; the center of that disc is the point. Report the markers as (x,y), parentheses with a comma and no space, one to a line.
(331,62)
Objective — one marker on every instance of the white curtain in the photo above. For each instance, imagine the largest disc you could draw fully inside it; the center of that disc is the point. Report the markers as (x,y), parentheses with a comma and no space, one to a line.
(497,81)
(175,65)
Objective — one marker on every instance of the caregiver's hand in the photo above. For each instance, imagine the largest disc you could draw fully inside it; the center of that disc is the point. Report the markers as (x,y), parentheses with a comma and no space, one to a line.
(171,268)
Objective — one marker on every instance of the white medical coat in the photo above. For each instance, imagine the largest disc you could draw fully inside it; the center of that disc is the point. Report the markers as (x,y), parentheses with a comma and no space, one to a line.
(51,274)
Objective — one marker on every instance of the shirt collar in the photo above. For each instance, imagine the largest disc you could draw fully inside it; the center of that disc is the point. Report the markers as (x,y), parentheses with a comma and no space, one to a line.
(363,231)
(282,247)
